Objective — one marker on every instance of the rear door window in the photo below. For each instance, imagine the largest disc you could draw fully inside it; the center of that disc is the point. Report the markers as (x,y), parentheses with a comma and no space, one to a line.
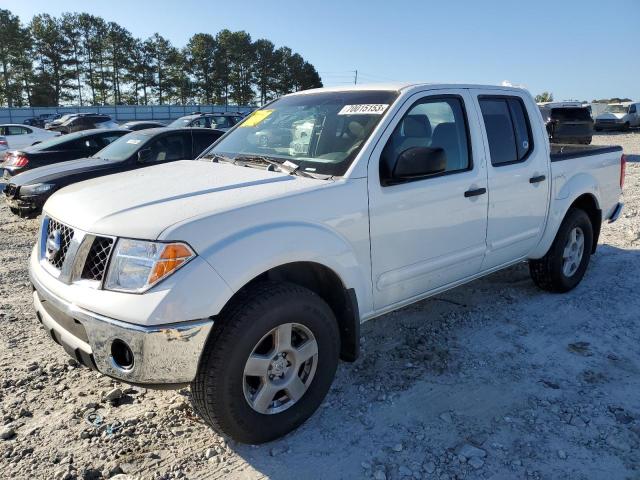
(199,122)
(508,129)
(221,122)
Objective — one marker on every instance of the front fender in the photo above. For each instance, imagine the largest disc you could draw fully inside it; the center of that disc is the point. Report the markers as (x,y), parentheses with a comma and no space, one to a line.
(243,256)
(565,192)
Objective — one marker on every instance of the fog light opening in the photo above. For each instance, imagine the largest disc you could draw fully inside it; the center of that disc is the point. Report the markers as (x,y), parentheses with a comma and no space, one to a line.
(122,354)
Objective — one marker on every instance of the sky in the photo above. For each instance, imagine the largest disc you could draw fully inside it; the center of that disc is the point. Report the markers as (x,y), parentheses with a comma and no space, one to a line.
(576,49)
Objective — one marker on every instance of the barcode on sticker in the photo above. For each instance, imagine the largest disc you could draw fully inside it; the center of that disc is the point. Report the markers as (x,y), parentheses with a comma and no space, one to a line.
(364,109)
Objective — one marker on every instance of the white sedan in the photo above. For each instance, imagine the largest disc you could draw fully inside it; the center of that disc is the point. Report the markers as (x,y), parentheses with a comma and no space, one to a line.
(20,136)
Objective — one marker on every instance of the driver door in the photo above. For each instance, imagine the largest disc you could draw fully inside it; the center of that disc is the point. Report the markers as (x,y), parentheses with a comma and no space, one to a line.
(430,232)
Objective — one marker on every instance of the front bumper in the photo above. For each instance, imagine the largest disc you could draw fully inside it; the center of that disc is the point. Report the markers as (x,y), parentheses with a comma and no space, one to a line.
(27,204)
(163,355)
(617,210)
(610,124)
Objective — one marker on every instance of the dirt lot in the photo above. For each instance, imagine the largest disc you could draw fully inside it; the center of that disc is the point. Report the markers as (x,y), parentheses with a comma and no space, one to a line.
(495,379)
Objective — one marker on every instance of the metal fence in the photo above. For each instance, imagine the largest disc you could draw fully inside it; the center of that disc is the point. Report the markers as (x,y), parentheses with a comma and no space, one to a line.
(121,113)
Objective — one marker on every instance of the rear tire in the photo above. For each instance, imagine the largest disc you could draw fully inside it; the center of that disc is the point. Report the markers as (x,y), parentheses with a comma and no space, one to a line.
(227,397)
(564,265)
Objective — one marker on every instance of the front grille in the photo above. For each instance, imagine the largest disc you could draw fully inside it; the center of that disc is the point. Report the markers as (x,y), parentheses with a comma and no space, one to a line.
(97,259)
(66,234)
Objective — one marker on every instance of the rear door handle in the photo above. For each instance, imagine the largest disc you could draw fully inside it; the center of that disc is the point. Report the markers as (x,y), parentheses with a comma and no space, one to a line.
(475,193)
(539,178)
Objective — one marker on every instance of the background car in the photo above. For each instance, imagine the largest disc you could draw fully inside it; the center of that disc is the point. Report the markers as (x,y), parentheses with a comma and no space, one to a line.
(27,192)
(4,147)
(85,122)
(568,123)
(219,121)
(41,119)
(59,149)
(34,122)
(60,120)
(619,116)
(136,125)
(20,136)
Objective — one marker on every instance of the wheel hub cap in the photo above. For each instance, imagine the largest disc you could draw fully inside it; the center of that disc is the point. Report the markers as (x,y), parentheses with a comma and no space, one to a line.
(573,252)
(279,365)
(280,368)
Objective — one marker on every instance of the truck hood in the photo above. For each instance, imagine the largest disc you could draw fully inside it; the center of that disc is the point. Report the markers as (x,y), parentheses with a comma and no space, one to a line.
(610,116)
(144,202)
(59,170)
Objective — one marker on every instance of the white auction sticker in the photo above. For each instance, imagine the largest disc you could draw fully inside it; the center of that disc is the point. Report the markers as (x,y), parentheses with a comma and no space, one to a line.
(364,109)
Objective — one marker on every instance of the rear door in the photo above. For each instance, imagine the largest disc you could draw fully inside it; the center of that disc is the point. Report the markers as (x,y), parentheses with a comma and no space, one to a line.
(518,175)
(429,232)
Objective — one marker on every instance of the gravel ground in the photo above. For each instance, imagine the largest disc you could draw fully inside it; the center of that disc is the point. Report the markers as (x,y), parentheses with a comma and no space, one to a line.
(495,379)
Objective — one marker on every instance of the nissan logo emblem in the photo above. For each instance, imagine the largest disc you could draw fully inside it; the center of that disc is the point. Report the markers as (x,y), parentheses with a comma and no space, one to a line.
(53,244)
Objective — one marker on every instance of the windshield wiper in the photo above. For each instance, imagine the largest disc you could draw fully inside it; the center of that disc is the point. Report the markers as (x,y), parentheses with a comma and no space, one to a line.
(246,161)
(217,157)
(286,166)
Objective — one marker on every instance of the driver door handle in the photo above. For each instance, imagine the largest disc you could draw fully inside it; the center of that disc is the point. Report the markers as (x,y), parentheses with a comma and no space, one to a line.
(539,178)
(476,192)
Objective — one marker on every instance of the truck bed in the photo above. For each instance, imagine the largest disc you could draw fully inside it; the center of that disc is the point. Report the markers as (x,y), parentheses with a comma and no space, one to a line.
(561,152)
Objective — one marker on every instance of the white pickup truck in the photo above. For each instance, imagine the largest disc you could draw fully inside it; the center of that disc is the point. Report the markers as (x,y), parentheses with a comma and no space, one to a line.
(248,272)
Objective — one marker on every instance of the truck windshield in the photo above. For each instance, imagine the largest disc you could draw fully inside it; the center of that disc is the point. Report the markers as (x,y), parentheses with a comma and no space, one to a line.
(319,132)
(123,148)
(616,109)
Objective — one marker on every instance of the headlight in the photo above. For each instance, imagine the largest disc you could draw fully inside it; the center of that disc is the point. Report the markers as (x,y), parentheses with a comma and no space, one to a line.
(137,265)
(35,189)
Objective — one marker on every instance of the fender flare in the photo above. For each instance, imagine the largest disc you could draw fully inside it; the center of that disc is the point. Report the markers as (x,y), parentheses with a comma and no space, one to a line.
(563,197)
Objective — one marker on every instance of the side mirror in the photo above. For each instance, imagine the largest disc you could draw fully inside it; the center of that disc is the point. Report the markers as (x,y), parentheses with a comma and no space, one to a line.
(419,162)
(144,155)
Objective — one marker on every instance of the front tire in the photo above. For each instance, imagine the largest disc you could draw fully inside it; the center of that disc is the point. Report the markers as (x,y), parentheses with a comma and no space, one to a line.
(268,363)
(564,265)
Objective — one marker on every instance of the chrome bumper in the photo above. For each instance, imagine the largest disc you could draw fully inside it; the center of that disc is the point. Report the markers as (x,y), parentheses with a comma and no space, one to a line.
(616,212)
(163,354)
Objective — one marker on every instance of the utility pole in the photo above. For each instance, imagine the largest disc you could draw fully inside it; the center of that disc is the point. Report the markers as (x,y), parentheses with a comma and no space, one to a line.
(355,80)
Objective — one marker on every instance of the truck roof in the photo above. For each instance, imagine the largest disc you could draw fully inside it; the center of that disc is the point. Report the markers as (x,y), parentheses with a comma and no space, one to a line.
(402,86)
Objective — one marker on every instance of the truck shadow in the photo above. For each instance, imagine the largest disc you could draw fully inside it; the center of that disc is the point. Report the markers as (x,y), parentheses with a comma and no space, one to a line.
(436,373)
